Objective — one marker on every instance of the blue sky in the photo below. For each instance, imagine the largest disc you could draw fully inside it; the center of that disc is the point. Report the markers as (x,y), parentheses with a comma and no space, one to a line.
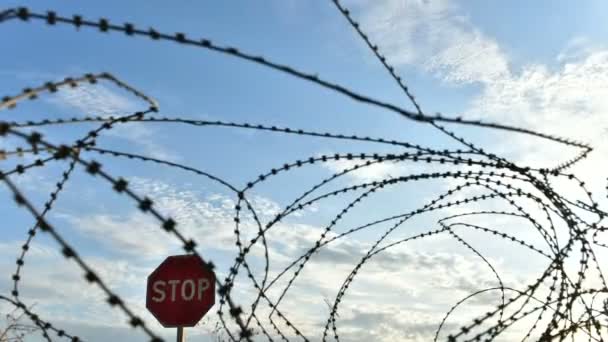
(541,65)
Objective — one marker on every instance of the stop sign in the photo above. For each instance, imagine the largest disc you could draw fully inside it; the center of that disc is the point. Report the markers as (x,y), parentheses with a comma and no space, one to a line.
(180,291)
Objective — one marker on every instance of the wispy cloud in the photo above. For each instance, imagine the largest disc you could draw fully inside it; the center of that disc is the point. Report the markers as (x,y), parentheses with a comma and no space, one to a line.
(578,48)
(102,100)
(364,173)
(96,99)
(568,100)
(435,36)
(137,241)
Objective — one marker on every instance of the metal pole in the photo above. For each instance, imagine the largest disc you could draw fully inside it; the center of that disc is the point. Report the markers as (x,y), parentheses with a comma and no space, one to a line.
(181,336)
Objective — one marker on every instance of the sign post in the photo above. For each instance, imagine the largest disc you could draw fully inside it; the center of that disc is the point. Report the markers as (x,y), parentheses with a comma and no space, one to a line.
(180,291)
(180,335)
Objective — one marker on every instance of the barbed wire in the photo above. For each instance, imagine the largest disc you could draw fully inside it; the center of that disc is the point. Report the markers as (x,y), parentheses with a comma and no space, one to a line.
(573,305)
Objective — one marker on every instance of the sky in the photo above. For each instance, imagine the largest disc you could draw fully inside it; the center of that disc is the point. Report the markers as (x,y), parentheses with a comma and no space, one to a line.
(540,65)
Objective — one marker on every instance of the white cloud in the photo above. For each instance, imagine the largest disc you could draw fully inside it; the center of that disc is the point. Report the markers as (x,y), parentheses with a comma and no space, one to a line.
(145,136)
(96,100)
(102,100)
(364,173)
(567,100)
(424,282)
(136,234)
(577,48)
(57,286)
(435,36)
(207,218)
(401,282)
(209,221)
(570,102)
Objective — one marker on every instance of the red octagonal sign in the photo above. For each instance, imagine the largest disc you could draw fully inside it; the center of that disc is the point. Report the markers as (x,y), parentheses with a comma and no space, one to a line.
(180,291)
